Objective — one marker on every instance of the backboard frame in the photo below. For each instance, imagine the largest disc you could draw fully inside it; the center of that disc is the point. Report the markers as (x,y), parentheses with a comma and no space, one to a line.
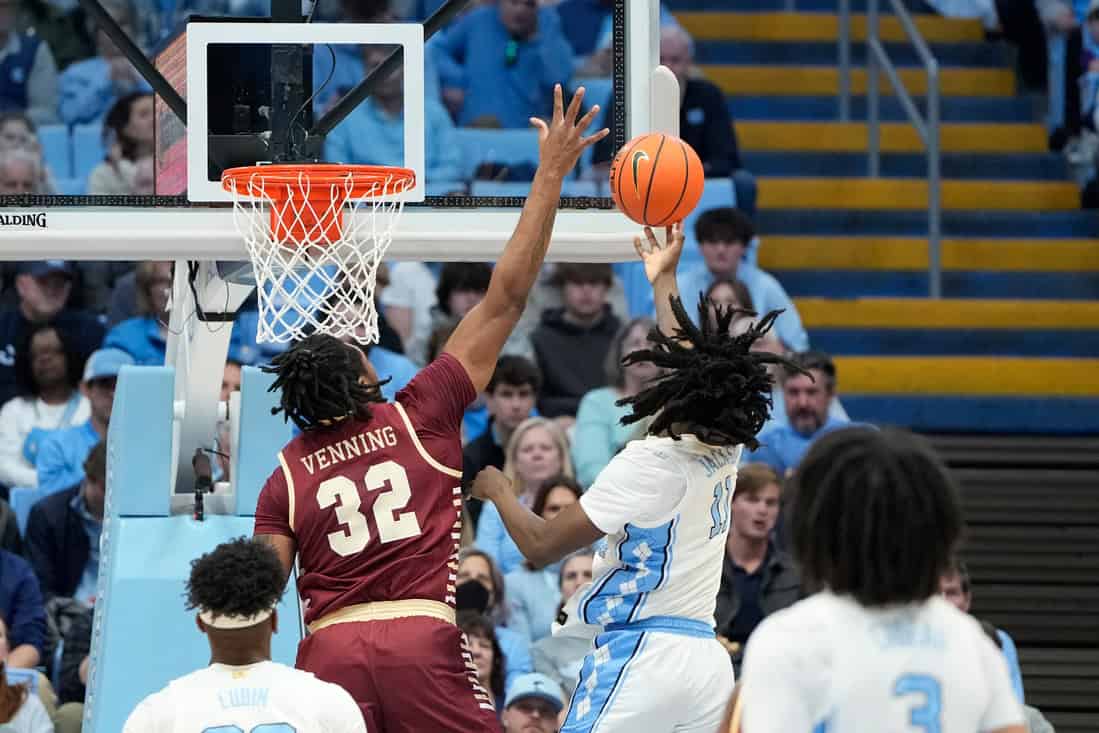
(410,36)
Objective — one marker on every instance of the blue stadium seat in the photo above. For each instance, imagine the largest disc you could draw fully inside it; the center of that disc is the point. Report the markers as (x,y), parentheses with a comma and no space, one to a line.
(21,500)
(56,150)
(499,146)
(71,186)
(500,188)
(88,149)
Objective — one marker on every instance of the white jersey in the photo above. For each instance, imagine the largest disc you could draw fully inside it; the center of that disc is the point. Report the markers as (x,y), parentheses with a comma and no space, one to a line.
(259,698)
(829,664)
(664,505)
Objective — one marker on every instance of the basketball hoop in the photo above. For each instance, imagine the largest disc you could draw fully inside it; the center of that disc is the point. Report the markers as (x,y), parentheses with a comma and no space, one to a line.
(316,234)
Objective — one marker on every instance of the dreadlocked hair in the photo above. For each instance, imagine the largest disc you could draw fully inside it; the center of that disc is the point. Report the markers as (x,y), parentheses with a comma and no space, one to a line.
(241,577)
(714,385)
(319,380)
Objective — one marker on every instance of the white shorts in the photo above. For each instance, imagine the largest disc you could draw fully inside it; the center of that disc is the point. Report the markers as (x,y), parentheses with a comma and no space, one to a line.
(657,676)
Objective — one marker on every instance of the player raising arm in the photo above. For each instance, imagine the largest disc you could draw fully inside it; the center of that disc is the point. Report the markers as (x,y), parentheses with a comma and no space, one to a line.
(663,504)
(874,524)
(235,589)
(368,497)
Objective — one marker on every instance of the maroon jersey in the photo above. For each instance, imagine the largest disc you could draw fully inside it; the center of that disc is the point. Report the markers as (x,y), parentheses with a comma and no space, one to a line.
(375,505)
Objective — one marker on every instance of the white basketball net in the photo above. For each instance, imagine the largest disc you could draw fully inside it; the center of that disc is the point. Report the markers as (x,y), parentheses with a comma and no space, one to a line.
(312,276)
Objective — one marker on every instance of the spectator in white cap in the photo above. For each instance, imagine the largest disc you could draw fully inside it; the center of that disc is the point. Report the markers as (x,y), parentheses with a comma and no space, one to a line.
(61,454)
(533,705)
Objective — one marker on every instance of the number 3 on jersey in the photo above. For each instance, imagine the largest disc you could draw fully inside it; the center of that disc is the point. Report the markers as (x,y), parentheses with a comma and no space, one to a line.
(928,716)
(391,523)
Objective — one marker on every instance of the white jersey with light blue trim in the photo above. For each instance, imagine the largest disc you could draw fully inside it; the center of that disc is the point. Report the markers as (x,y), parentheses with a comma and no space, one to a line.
(664,505)
(258,698)
(830,664)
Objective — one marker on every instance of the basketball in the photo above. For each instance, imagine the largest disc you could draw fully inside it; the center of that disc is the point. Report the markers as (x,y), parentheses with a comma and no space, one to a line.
(656,179)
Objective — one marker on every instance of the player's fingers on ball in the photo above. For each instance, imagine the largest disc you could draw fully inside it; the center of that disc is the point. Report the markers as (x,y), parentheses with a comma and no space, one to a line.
(651,236)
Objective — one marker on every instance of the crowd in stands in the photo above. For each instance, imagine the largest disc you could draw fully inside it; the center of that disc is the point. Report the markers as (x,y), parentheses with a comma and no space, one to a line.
(1058,52)
(549,418)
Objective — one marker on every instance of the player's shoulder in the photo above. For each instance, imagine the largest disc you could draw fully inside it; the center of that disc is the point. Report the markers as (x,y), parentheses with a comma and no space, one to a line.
(649,457)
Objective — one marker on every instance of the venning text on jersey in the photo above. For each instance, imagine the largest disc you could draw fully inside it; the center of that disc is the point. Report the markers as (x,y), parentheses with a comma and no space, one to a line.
(350,448)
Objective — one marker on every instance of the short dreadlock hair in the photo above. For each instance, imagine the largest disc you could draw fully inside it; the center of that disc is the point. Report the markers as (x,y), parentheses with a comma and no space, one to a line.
(319,380)
(715,386)
(875,515)
(241,577)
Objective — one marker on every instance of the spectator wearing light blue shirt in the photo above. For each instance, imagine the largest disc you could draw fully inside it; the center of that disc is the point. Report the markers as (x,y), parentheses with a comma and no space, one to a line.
(374,131)
(498,64)
(61,454)
(145,336)
(723,235)
(807,395)
(88,88)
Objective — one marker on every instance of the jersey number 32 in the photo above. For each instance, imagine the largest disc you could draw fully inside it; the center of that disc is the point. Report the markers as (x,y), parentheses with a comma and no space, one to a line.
(392,524)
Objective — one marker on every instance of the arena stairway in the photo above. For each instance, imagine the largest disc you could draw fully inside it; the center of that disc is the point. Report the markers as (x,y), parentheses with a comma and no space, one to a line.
(1014,345)
(1002,370)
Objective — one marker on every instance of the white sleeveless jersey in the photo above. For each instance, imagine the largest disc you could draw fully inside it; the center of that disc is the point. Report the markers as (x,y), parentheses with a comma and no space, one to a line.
(259,698)
(829,664)
(664,505)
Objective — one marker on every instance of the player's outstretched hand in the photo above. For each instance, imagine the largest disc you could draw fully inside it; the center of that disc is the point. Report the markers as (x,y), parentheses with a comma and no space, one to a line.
(660,259)
(489,483)
(561,142)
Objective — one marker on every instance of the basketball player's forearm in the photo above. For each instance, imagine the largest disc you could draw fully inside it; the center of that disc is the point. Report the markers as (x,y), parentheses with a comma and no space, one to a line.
(525,527)
(525,252)
(664,289)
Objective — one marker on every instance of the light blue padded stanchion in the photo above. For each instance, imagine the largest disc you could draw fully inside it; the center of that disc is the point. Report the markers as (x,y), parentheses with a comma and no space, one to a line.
(142,636)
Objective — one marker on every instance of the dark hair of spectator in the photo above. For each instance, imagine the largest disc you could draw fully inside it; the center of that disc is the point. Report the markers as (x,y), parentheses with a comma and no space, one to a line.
(114,124)
(715,388)
(959,568)
(724,224)
(95,465)
(319,378)
(752,478)
(807,361)
(583,273)
(436,342)
(515,371)
(562,481)
(461,276)
(740,290)
(241,577)
(612,367)
(475,624)
(875,516)
(11,696)
(24,364)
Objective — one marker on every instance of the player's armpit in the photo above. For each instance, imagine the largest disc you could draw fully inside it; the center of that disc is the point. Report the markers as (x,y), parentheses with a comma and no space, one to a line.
(285,547)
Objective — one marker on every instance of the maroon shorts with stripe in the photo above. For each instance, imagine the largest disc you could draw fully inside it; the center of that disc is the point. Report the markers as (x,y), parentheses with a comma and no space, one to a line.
(406,674)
